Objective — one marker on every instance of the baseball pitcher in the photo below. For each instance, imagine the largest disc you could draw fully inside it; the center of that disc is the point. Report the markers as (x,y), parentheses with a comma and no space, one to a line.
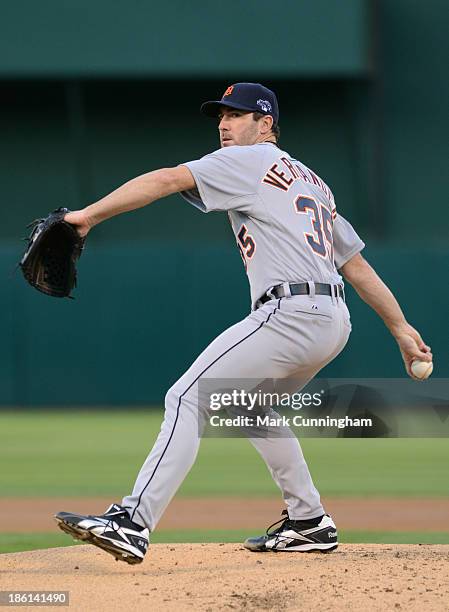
(296,248)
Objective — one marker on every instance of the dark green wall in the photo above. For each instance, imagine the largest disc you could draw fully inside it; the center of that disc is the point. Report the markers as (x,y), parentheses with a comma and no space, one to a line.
(62,38)
(143,312)
(415,102)
(158,284)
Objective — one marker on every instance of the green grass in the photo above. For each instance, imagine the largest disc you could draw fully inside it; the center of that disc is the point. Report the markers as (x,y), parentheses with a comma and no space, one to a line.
(70,453)
(394,537)
(16,542)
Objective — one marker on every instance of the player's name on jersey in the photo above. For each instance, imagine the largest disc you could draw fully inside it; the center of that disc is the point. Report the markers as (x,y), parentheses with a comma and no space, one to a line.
(292,171)
(297,420)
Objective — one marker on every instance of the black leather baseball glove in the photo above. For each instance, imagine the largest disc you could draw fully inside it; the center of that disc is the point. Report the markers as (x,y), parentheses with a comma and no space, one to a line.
(49,263)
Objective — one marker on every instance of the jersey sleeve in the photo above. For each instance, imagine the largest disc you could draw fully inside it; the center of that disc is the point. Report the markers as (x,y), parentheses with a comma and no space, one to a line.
(226,179)
(347,242)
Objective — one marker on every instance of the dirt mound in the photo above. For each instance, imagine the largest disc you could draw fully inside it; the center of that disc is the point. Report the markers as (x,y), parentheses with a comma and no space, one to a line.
(211,577)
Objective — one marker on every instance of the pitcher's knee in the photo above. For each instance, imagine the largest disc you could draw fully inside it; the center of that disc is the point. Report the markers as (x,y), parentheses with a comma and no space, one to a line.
(180,395)
(172,398)
(188,400)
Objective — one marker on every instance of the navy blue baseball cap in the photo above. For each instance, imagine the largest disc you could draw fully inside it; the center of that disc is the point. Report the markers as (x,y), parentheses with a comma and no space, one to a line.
(245,96)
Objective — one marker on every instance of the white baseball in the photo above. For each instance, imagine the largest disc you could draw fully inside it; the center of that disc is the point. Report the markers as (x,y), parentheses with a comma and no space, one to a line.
(422,369)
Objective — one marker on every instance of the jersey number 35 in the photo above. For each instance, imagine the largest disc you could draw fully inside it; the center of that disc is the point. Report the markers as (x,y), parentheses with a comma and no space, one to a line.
(320,241)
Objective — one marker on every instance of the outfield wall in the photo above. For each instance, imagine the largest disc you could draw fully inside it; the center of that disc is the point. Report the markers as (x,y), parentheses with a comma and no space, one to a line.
(142,313)
(363,96)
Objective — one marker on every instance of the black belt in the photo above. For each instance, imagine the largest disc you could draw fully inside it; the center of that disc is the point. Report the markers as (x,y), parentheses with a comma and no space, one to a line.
(301,289)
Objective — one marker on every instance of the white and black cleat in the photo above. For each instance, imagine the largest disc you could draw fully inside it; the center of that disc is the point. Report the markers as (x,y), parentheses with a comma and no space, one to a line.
(112,531)
(300,536)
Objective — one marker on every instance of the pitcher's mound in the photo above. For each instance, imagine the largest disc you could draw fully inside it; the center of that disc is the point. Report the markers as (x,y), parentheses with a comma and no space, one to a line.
(227,577)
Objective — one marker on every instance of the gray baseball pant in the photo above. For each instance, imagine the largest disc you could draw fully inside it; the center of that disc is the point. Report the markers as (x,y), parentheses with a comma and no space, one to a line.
(288,338)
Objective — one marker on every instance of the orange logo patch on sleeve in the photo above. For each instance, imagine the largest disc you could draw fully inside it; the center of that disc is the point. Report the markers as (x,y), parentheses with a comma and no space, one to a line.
(229,91)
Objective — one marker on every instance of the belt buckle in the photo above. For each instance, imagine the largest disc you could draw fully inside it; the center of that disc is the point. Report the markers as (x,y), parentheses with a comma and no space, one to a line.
(339,291)
(270,293)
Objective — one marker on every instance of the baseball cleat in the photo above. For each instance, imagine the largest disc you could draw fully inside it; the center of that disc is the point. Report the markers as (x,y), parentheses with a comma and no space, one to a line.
(298,536)
(112,531)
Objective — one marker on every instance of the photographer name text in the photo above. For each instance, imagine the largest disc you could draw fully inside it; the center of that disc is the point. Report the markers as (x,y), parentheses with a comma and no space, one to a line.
(284,421)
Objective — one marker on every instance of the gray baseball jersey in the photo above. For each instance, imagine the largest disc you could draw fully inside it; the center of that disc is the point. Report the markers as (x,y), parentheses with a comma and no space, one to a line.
(283,215)
(287,229)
